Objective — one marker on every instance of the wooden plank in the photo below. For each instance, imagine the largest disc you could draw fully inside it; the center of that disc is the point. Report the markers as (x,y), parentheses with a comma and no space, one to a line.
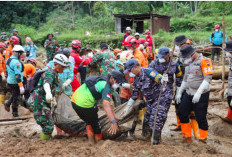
(11,122)
(15,119)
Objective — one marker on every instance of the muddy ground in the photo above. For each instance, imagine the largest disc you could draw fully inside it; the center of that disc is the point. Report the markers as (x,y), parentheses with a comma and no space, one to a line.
(23,140)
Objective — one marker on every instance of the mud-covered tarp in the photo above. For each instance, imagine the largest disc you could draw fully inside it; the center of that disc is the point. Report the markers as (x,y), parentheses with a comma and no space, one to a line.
(66,118)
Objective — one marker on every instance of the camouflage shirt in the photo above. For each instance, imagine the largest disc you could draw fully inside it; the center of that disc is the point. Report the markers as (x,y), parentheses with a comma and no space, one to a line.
(52,46)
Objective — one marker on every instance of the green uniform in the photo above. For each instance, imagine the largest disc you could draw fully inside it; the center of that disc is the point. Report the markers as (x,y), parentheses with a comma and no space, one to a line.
(51,49)
(42,109)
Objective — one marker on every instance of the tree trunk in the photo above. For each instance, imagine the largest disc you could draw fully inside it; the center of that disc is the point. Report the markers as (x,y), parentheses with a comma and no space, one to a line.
(90,13)
(72,13)
(191,7)
(195,7)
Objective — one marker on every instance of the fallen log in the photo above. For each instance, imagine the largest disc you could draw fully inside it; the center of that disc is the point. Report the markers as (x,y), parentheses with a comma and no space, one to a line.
(11,122)
(15,119)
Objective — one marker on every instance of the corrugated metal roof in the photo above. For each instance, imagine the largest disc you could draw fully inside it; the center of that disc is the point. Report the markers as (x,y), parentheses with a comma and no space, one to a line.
(139,16)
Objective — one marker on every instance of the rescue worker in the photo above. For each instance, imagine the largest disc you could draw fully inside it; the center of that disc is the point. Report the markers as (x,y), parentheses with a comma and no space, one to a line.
(131,44)
(64,78)
(137,36)
(76,60)
(13,41)
(51,46)
(228,91)
(149,39)
(15,79)
(144,50)
(146,81)
(116,51)
(30,48)
(15,33)
(43,96)
(181,41)
(29,69)
(216,38)
(107,59)
(84,102)
(3,88)
(128,32)
(197,77)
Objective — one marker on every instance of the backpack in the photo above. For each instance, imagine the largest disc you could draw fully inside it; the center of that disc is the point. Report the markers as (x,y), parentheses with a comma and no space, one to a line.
(32,83)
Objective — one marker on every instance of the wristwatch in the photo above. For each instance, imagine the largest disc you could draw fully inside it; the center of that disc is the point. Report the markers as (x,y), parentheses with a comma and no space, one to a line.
(113,121)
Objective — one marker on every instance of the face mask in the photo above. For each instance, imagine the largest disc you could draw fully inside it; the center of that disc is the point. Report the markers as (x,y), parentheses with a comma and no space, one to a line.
(216,30)
(115,86)
(188,60)
(28,42)
(162,60)
(132,74)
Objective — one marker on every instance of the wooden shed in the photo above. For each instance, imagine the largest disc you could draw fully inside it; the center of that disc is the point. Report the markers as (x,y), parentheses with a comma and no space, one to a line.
(137,20)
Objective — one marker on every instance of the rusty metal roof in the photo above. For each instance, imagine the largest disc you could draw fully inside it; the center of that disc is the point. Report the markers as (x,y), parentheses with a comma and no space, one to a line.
(139,16)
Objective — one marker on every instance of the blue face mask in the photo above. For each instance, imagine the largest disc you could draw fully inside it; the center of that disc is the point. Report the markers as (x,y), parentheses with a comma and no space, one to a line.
(162,60)
(28,42)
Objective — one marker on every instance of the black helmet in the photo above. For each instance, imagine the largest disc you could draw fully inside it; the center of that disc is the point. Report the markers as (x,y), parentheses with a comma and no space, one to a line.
(63,50)
(117,75)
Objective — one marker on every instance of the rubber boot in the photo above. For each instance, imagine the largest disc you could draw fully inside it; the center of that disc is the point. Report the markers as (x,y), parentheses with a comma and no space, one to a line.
(157,137)
(90,134)
(195,128)
(98,137)
(186,132)
(141,114)
(44,136)
(15,114)
(59,131)
(7,105)
(228,118)
(146,131)
(203,135)
(178,125)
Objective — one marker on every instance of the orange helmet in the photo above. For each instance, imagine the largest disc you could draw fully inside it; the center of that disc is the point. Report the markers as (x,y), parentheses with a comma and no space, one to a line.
(32,60)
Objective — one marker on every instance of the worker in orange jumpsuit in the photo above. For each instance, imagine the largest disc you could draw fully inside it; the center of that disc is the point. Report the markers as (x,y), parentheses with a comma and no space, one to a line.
(13,41)
(29,68)
(143,49)
(3,88)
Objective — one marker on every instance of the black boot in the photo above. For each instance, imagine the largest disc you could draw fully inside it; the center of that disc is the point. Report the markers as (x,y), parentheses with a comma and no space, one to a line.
(146,131)
(157,137)
(15,114)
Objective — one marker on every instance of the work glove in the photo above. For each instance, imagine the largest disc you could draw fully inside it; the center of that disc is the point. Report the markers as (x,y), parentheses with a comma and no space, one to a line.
(179,92)
(47,90)
(204,85)
(126,85)
(66,83)
(226,93)
(3,77)
(164,79)
(128,108)
(22,90)
(90,54)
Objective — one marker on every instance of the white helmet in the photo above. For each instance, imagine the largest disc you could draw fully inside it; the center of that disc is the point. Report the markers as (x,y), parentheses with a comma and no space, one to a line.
(136,34)
(61,59)
(18,48)
(125,56)
(128,29)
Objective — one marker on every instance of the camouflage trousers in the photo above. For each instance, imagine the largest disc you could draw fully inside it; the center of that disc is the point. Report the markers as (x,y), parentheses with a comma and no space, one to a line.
(42,115)
(50,55)
(149,116)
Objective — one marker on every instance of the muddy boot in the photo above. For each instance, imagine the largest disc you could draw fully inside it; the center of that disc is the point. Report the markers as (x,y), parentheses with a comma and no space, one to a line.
(187,140)
(15,114)
(7,105)
(178,127)
(44,136)
(146,131)
(157,137)
(98,137)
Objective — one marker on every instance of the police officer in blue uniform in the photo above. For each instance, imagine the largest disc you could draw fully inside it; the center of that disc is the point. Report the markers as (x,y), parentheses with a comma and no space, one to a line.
(14,70)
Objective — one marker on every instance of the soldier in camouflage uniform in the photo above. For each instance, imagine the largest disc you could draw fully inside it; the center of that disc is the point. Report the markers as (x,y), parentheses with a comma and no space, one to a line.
(147,81)
(105,59)
(43,95)
(50,45)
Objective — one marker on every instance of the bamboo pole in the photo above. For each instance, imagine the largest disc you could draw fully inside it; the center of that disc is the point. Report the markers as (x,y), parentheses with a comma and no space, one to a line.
(223,52)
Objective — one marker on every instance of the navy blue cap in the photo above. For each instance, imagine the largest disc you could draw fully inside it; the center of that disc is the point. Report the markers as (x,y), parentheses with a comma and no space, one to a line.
(130,64)
(163,51)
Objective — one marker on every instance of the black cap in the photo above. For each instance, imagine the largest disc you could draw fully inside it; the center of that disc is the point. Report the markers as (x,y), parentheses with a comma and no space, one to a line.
(228,46)
(187,51)
(130,64)
(181,39)
(104,46)
(117,75)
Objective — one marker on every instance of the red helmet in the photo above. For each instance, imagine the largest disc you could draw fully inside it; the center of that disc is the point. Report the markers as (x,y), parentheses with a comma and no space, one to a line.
(76,43)
(141,40)
(14,39)
(32,60)
(2,45)
(147,32)
(130,40)
(217,26)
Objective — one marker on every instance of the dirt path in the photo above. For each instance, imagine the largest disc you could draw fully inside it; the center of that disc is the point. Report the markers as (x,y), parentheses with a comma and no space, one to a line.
(22,140)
